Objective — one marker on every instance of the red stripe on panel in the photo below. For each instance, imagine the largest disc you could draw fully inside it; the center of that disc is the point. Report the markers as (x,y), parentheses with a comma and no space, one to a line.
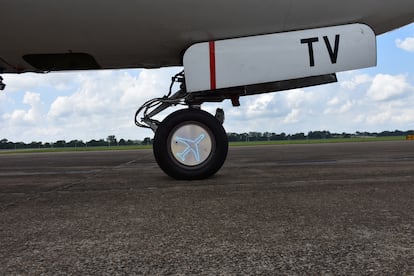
(212,47)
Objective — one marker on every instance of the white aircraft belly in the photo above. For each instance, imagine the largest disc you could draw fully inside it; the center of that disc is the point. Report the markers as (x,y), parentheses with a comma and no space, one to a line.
(136,33)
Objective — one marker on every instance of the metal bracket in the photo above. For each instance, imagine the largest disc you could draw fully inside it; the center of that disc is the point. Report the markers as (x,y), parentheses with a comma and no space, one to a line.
(220,115)
(194,100)
(2,84)
(153,107)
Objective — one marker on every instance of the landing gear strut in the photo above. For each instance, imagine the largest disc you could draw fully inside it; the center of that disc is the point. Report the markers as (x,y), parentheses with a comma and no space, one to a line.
(190,143)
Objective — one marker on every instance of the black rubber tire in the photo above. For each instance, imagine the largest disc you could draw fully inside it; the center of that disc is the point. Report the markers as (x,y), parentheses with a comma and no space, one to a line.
(163,152)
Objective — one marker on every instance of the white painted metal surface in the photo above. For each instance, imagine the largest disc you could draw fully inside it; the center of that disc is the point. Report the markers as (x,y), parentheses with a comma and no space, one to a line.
(131,33)
(276,57)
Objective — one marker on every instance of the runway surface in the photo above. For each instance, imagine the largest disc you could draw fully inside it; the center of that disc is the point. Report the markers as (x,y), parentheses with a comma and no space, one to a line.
(324,209)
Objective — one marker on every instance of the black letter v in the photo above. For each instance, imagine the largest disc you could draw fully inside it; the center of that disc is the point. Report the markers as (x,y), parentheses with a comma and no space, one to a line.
(332,53)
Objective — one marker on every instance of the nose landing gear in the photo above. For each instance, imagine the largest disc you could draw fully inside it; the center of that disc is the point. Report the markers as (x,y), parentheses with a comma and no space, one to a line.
(189,144)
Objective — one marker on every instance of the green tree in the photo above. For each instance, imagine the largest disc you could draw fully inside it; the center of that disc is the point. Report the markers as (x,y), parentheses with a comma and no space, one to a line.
(147,141)
(59,144)
(112,140)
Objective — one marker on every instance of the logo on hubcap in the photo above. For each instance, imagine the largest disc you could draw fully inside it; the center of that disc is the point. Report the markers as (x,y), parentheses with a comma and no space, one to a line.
(191,146)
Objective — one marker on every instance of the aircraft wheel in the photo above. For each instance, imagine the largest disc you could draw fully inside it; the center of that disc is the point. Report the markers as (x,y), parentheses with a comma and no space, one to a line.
(190,144)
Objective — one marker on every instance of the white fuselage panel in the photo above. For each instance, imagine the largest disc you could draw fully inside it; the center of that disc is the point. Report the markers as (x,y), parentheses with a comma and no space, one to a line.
(277,57)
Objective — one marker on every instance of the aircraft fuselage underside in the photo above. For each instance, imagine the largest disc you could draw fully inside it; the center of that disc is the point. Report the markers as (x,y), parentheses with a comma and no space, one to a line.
(50,35)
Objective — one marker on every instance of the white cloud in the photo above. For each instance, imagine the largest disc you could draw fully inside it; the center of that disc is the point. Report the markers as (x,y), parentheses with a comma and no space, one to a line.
(298,97)
(149,84)
(334,101)
(406,44)
(392,117)
(263,106)
(4,101)
(388,87)
(32,82)
(356,81)
(24,117)
(346,107)
(292,117)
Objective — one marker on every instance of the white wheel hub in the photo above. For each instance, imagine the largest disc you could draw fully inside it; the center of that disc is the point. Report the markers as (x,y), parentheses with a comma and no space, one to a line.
(191,144)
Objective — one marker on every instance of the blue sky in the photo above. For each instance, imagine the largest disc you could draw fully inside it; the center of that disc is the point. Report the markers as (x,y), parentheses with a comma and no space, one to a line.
(95,104)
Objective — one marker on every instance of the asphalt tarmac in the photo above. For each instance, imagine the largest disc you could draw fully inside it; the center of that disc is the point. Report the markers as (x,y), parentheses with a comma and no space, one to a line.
(323,209)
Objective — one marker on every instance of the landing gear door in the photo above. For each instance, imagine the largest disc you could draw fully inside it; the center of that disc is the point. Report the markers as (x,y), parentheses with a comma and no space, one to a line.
(277,57)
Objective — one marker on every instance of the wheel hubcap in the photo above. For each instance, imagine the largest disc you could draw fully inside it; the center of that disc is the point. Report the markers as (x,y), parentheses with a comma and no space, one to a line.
(191,144)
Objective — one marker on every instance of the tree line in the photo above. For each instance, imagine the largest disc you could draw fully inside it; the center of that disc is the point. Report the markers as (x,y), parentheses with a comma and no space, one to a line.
(111,140)
(271,136)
